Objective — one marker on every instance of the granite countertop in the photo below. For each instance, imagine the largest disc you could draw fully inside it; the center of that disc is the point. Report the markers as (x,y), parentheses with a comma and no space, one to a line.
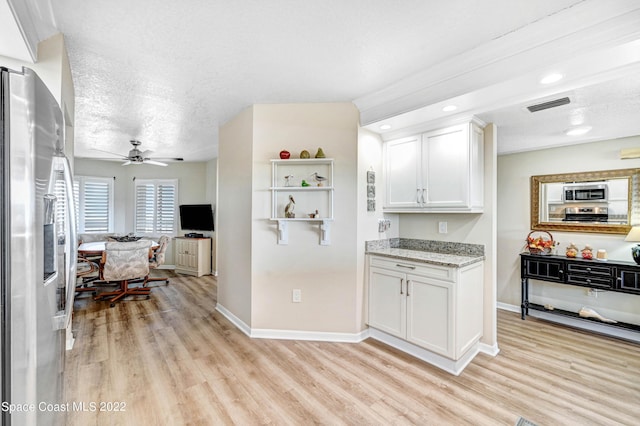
(449,254)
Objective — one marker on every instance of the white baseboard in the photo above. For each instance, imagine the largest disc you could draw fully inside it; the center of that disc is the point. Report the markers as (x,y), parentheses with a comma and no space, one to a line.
(444,363)
(258,333)
(491,350)
(310,335)
(508,307)
(242,326)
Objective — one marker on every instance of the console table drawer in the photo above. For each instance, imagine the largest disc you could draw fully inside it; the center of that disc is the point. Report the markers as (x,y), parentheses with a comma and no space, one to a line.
(594,270)
(590,280)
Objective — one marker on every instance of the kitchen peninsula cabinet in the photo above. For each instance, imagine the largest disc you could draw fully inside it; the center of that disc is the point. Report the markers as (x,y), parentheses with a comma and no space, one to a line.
(193,256)
(437,171)
(433,307)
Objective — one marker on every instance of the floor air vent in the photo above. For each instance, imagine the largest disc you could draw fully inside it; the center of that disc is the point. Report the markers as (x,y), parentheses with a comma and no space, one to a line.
(546,105)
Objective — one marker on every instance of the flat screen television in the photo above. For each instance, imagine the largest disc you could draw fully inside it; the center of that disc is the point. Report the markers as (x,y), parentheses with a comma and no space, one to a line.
(196,217)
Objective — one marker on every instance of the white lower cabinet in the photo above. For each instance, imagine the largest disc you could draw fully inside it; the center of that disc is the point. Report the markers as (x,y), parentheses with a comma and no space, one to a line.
(437,308)
(193,256)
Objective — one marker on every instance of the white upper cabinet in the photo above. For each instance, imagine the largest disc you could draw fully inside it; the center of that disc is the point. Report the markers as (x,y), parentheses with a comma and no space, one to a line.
(437,171)
(402,172)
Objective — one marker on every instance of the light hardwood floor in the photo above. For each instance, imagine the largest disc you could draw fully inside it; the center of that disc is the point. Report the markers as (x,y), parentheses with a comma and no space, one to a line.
(174,360)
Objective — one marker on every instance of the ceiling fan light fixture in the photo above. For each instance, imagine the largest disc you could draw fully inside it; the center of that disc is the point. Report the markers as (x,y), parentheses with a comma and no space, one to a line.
(578,131)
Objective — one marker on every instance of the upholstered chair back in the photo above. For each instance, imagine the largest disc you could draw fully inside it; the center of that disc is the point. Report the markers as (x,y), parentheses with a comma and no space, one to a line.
(126,261)
(159,255)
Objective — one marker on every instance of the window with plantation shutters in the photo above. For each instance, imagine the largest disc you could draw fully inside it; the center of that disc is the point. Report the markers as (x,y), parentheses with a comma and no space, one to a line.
(156,205)
(94,203)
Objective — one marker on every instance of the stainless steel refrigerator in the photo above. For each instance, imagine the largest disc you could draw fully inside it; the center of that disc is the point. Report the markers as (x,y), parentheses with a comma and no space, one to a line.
(38,249)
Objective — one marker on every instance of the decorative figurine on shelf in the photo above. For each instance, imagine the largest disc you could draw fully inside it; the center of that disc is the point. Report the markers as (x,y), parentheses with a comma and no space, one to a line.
(587,252)
(572,250)
(305,154)
(304,183)
(287,180)
(288,209)
(320,153)
(318,178)
(284,154)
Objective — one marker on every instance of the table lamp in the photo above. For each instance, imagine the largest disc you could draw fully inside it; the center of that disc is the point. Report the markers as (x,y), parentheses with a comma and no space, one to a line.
(634,236)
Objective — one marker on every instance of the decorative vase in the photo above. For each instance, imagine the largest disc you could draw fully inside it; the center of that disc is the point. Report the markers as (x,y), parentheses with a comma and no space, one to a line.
(305,154)
(635,252)
(285,154)
(320,153)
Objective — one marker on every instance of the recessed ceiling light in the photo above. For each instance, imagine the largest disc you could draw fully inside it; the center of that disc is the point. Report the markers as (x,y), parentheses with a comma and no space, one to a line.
(551,78)
(449,108)
(578,131)
(385,127)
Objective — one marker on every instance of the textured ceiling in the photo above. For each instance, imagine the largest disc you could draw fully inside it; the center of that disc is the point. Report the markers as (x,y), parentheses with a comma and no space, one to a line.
(170,73)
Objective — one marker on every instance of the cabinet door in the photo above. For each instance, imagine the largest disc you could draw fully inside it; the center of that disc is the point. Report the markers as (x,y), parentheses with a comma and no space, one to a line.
(387,303)
(628,280)
(187,253)
(402,172)
(542,268)
(445,174)
(430,314)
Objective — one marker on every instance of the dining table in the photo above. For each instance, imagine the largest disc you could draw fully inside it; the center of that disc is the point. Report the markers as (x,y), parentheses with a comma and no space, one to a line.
(96,248)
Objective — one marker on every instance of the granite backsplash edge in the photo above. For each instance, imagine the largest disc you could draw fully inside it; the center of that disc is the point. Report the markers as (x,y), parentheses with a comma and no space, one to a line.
(445,247)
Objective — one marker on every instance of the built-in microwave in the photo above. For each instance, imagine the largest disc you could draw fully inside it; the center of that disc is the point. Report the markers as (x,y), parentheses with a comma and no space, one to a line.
(584,192)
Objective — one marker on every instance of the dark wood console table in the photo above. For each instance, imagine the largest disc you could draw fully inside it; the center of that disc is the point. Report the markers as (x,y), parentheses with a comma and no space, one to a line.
(612,275)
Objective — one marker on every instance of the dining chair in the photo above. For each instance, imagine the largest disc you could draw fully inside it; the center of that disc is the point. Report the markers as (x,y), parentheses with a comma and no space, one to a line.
(87,271)
(124,263)
(158,258)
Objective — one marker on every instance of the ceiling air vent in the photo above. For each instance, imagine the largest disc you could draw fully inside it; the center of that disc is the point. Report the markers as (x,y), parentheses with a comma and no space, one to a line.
(547,105)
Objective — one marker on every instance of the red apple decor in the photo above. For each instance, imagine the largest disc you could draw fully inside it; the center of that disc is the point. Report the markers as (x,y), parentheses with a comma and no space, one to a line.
(285,154)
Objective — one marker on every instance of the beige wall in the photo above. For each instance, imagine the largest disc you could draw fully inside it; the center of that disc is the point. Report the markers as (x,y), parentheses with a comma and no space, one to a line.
(327,275)
(54,70)
(514,172)
(212,197)
(469,228)
(256,274)
(234,233)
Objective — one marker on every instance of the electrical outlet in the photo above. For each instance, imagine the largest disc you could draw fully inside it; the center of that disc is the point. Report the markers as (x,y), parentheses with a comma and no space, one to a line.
(442,227)
(296,295)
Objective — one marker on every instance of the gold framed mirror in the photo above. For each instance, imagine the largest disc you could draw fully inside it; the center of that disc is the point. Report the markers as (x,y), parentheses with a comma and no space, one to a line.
(596,202)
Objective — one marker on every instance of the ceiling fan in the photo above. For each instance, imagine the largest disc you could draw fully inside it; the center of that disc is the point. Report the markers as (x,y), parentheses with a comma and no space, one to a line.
(136,156)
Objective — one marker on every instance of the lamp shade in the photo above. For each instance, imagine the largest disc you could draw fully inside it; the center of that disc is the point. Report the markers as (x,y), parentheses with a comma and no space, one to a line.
(633,235)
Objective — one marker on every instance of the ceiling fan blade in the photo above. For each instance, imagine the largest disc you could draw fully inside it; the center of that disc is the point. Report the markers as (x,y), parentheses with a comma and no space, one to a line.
(169,158)
(155,163)
(126,163)
(107,152)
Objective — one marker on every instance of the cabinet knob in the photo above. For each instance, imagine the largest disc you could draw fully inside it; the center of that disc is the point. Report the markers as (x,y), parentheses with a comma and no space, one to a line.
(589,281)
(588,269)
